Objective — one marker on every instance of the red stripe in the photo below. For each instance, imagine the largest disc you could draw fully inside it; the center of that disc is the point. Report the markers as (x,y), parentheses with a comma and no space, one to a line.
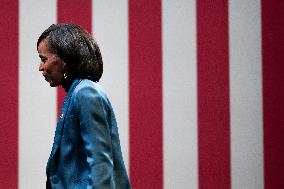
(145,82)
(213,94)
(76,12)
(9,15)
(273,92)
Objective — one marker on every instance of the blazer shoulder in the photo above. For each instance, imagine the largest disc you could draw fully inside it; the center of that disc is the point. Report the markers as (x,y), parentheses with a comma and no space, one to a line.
(88,89)
(86,85)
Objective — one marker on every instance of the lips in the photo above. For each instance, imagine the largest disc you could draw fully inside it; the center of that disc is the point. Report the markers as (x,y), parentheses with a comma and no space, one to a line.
(45,77)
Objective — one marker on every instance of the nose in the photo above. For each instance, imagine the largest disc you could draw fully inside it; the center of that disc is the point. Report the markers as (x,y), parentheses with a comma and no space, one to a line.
(40,68)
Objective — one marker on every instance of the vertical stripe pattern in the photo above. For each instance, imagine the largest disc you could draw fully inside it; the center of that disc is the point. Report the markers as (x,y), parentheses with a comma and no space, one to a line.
(109,21)
(246,94)
(145,90)
(273,92)
(76,12)
(179,95)
(213,94)
(197,89)
(37,100)
(9,94)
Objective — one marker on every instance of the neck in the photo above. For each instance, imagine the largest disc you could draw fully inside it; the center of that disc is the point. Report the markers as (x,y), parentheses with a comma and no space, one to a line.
(66,83)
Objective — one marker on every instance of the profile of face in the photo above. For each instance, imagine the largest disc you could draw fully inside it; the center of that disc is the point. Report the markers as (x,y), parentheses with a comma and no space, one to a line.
(51,66)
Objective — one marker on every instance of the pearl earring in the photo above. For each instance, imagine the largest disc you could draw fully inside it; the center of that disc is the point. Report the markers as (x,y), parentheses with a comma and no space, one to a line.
(65,75)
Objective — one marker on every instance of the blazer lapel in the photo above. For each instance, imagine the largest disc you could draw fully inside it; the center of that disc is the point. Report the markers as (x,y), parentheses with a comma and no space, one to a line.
(60,123)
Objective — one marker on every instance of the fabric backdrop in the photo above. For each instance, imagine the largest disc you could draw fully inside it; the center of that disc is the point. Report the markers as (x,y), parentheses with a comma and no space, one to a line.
(197,87)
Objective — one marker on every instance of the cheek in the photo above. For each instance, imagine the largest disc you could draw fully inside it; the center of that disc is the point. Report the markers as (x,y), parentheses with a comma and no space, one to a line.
(47,67)
(51,68)
(55,73)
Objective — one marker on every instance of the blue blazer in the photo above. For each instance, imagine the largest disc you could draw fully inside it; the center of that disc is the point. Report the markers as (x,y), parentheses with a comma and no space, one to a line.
(86,152)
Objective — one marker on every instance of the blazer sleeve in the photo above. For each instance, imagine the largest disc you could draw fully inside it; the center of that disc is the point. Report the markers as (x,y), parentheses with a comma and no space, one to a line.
(95,130)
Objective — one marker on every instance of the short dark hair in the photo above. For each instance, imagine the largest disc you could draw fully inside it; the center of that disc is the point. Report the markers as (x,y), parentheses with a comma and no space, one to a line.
(77,48)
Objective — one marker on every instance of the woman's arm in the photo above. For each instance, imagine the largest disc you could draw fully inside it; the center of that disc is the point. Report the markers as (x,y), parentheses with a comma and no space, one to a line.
(95,130)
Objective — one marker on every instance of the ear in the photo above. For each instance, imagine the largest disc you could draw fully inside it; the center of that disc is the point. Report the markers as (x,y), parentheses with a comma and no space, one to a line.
(65,67)
(62,63)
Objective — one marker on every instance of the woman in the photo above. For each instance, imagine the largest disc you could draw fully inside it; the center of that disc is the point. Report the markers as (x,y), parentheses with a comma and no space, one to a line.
(86,152)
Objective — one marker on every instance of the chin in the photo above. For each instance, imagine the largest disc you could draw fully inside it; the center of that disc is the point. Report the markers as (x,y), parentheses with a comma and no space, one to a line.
(53,84)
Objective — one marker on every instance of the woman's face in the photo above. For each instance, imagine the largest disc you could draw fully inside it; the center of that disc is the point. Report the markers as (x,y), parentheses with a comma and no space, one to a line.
(51,66)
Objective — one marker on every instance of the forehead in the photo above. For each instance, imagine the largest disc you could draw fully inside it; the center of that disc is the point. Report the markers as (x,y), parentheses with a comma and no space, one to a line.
(42,48)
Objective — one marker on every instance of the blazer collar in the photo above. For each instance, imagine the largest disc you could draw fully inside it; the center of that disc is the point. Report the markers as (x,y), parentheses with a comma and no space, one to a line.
(71,88)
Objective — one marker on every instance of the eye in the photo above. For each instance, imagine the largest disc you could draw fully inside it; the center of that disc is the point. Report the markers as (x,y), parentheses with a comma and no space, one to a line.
(43,60)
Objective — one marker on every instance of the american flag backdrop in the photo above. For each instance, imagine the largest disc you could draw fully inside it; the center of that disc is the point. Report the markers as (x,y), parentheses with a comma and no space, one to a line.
(197,87)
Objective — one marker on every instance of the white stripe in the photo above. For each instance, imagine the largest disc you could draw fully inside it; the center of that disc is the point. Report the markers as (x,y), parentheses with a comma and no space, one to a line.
(179,95)
(37,101)
(110,27)
(246,94)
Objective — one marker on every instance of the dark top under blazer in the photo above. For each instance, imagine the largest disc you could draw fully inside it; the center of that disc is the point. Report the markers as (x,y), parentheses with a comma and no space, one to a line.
(86,152)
